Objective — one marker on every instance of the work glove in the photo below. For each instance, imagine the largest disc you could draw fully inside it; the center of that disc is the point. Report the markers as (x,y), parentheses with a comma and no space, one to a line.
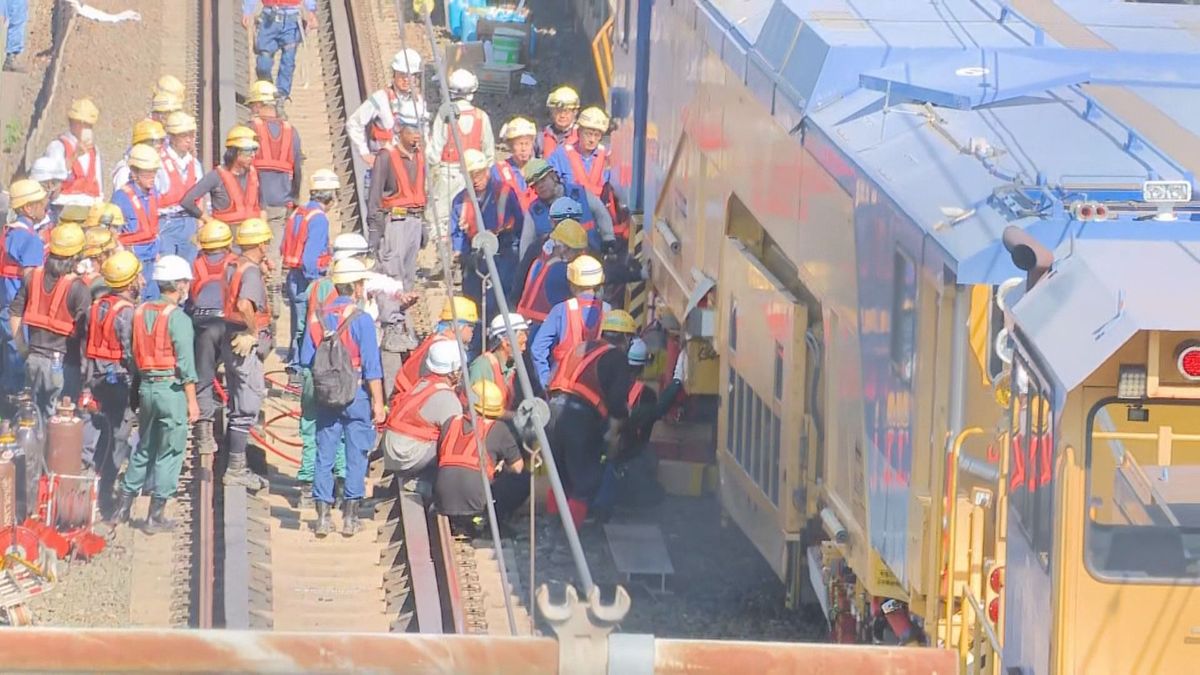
(243,344)
(608,246)
(681,366)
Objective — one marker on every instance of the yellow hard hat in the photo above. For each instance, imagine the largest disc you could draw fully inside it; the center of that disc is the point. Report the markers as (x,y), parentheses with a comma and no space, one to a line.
(594,118)
(148,130)
(253,231)
(166,102)
(24,192)
(74,213)
(97,240)
(121,269)
(242,138)
(83,110)
(180,122)
(66,240)
(563,97)
(214,234)
(585,271)
(105,214)
(169,84)
(464,307)
(618,321)
(261,91)
(518,127)
(489,399)
(571,234)
(145,158)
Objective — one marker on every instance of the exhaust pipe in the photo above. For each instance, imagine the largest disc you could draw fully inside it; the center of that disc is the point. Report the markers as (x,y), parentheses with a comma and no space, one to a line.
(1028,254)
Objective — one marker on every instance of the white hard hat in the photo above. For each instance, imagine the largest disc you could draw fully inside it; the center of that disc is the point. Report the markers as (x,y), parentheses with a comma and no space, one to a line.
(639,353)
(172,268)
(462,84)
(497,327)
(476,160)
(79,199)
(443,358)
(349,245)
(407,61)
(323,180)
(48,168)
(348,271)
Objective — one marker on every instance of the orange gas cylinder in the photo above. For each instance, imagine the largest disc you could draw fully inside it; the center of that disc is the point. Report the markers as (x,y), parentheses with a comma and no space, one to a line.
(64,441)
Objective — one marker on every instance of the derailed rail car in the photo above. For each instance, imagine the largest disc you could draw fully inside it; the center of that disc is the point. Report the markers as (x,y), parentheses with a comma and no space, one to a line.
(924,435)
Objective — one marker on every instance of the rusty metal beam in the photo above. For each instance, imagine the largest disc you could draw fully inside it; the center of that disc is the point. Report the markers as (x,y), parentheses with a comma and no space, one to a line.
(704,657)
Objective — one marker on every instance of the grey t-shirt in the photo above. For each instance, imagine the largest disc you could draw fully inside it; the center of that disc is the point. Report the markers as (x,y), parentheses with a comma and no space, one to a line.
(252,288)
(458,491)
(411,455)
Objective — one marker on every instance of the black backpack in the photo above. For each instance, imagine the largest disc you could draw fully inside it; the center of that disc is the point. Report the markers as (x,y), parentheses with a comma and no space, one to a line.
(335,379)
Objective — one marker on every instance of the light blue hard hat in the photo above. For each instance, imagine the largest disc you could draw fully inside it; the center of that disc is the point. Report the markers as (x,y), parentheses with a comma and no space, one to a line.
(565,207)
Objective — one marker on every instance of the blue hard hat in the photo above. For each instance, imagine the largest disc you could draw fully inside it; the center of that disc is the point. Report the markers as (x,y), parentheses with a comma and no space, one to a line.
(565,207)
(639,353)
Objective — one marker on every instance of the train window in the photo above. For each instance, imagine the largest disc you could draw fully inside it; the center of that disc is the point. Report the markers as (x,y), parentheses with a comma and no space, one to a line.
(904,316)
(1031,462)
(1143,475)
(753,436)
(733,327)
(778,372)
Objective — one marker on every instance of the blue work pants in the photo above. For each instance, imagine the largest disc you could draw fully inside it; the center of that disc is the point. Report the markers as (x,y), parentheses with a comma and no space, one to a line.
(277,32)
(296,287)
(150,289)
(16,14)
(12,366)
(353,425)
(176,233)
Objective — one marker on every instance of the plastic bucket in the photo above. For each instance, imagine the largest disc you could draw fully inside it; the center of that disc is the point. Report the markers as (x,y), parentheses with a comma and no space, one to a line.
(505,48)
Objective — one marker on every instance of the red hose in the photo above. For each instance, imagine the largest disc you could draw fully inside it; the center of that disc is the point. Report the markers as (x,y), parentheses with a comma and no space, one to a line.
(258,438)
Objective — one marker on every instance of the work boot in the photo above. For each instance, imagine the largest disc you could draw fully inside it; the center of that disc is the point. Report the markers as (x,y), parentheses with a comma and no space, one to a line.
(157,522)
(324,521)
(237,473)
(306,498)
(350,524)
(12,66)
(202,437)
(339,493)
(124,506)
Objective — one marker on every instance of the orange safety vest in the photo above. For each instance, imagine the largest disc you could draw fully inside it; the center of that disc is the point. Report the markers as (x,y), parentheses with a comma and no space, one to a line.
(103,343)
(294,237)
(524,195)
(534,304)
(232,315)
(79,181)
(577,330)
(459,449)
(550,140)
(592,181)
(49,311)
(10,268)
(379,133)
(205,272)
(579,375)
(281,3)
(505,383)
(472,140)
(147,219)
(274,154)
(316,304)
(152,348)
(635,392)
(243,204)
(467,220)
(316,327)
(177,184)
(404,414)
(410,372)
(409,193)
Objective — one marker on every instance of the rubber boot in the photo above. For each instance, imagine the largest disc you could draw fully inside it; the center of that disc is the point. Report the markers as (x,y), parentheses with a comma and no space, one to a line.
(350,523)
(11,65)
(124,506)
(306,498)
(339,493)
(237,473)
(157,521)
(324,521)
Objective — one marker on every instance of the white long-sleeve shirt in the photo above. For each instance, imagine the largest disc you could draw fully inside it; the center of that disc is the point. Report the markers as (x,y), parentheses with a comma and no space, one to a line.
(56,149)
(377,106)
(188,167)
(440,135)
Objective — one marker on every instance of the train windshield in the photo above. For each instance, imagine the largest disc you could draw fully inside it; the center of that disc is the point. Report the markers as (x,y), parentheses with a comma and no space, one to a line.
(1143,516)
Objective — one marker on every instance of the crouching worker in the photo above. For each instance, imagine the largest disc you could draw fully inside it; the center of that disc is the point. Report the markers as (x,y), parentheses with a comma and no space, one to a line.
(415,418)
(458,491)
(342,351)
(163,356)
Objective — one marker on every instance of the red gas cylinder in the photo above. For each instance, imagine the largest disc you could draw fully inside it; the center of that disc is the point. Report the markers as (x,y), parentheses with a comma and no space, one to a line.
(64,441)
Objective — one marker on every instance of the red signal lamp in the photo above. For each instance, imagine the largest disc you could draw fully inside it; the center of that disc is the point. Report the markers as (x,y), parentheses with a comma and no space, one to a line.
(993,610)
(1188,361)
(996,579)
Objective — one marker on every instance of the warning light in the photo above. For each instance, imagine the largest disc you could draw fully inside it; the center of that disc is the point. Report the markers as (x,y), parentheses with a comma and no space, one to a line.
(993,610)
(996,579)
(1086,212)
(1188,361)
(1101,212)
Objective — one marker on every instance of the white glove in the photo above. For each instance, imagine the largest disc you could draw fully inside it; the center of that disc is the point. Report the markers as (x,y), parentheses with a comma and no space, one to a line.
(243,344)
(681,365)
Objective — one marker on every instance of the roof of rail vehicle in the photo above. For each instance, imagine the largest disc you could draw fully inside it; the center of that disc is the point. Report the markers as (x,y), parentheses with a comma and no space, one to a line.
(943,105)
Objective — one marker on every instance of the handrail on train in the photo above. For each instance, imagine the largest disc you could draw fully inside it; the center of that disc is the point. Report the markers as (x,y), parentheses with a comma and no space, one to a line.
(980,644)
(943,557)
(602,56)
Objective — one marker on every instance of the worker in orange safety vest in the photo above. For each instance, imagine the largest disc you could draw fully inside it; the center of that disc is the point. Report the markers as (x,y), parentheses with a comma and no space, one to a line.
(572,321)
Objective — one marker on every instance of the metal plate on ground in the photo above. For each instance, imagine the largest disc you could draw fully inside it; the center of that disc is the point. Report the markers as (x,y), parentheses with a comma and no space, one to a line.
(638,549)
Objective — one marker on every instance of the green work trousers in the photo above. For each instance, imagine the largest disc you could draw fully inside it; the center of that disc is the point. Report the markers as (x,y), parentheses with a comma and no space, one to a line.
(308,434)
(163,436)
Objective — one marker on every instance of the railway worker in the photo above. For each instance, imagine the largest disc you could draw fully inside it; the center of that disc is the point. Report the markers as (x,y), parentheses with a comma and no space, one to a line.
(206,306)
(572,321)
(51,307)
(21,250)
(77,148)
(169,84)
(163,355)
(563,103)
(162,104)
(497,364)
(179,173)
(521,134)
(278,29)
(248,341)
(108,368)
(457,491)
(354,425)
(502,215)
(475,132)
(50,172)
(16,14)
(278,160)
(548,186)
(545,282)
(99,244)
(145,132)
(232,187)
(415,363)
(305,254)
(104,214)
(415,418)
(586,163)
(588,406)
(138,201)
(377,122)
